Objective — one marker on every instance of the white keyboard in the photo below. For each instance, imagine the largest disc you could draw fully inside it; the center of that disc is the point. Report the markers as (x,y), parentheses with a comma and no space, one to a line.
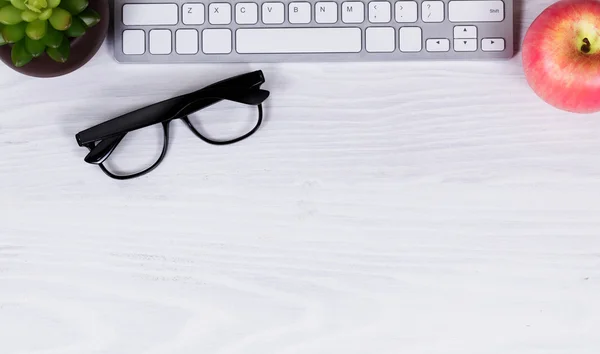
(188,31)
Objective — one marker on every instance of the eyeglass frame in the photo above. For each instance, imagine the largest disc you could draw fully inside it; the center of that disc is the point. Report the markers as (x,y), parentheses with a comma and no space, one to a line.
(102,139)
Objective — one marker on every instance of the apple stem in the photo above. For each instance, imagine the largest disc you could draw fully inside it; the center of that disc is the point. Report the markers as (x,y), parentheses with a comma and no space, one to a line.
(587,46)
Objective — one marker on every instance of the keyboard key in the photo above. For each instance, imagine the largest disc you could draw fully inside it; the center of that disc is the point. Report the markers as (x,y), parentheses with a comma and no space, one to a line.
(406,11)
(353,12)
(493,44)
(216,41)
(134,42)
(411,39)
(193,14)
(299,12)
(476,11)
(380,39)
(246,13)
(160,42)
(149,14)
(272,13)
(219,13)
(465,32)
(326,12)
(433,11)
(298,40)
(186,41)
(380,12)
(465,45)
(438,45)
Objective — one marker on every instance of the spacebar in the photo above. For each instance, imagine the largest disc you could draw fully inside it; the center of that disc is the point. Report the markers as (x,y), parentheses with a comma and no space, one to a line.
(298,40)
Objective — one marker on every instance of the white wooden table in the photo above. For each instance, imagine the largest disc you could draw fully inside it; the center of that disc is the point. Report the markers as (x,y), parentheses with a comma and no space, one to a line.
(383,208)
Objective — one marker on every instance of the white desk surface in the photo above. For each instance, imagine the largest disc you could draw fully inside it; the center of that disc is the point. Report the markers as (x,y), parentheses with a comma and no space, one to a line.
(383,208)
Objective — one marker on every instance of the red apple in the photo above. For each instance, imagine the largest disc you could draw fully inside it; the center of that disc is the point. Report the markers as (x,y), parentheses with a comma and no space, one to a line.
(561,55)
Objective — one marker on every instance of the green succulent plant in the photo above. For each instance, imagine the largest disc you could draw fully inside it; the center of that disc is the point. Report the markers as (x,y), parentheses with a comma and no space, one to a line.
(35,27)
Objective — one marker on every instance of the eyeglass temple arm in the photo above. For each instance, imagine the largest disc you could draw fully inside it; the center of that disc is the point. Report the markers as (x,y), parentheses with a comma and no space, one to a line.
(102,151)
(250,97)
(137,119)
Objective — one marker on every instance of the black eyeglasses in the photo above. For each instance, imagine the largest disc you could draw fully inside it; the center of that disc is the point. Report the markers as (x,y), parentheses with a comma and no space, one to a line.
(103,138)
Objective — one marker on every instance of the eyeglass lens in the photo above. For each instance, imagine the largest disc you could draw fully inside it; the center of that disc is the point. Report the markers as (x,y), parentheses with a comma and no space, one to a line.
(224,121)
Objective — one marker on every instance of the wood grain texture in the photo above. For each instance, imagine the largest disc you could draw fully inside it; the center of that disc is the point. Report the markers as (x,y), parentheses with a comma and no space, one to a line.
(383,208)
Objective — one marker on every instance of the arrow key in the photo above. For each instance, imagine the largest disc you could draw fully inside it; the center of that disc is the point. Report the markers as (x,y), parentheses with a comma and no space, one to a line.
(438,45)
(465,32)
(493,44)
(465,45)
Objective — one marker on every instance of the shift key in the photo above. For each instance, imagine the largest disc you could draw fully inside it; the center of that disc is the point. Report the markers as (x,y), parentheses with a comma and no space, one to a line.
(476,11)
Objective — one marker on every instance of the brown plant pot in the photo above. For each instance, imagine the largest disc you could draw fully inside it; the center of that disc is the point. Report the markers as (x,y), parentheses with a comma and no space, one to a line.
(82,49)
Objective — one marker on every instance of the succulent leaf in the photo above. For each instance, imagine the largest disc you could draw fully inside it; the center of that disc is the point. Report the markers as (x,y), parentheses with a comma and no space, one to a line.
(36,48)
(35,5)
(29,16)
(2,40)
(74,6)
(45,14)
(89,17)
(14,33)
(19,4)
(77,28)
(19,54)
(10,15)
(53,3)
(60,54)
(60,19)
(36,29)
(53,38)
